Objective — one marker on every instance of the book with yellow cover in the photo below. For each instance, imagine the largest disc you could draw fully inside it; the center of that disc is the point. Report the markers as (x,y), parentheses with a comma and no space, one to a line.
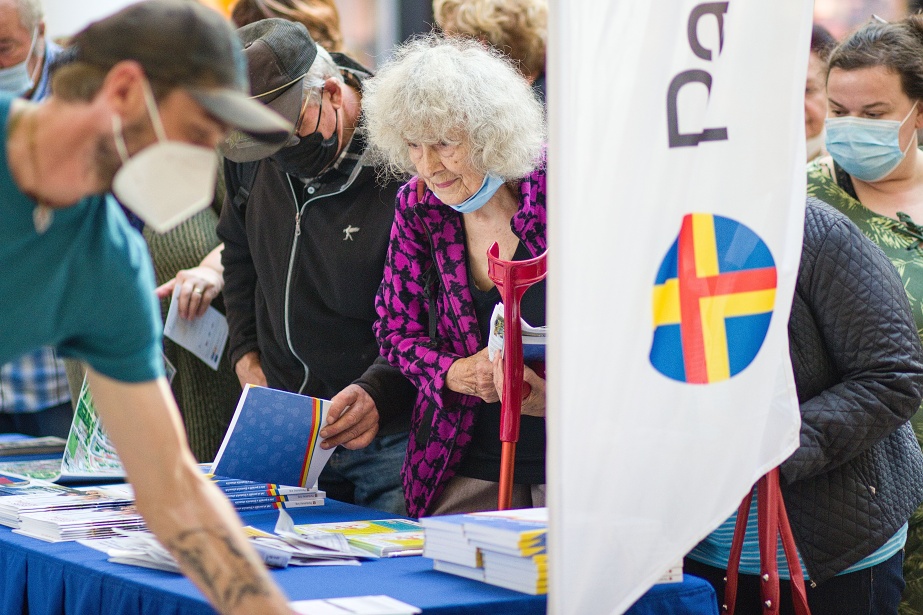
(380,537)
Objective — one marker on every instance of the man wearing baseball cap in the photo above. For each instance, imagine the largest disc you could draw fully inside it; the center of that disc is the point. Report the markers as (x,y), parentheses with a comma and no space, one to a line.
(147,95)
(305,230)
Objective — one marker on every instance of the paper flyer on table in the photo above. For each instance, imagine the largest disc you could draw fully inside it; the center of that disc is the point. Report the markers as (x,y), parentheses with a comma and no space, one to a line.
(274,437)
(357,605)
(205,337)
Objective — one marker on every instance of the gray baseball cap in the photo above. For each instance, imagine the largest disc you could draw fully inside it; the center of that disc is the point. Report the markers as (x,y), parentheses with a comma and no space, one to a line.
(279,53)
(184,44)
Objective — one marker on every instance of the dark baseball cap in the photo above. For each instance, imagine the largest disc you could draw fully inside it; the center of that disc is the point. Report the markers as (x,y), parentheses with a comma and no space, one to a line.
(279,53)
(184,44)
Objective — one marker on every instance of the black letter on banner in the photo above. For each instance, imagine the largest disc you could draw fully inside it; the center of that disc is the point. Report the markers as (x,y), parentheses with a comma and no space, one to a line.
(678,139)
(718,9)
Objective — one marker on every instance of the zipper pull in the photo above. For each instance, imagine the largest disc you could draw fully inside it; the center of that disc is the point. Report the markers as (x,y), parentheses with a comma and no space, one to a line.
(298,224)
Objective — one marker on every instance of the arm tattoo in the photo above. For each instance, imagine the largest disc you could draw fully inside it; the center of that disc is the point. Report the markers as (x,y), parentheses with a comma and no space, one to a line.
(227,574)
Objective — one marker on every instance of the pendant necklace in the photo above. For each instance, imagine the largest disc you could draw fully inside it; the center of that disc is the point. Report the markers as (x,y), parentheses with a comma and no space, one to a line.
(42,215)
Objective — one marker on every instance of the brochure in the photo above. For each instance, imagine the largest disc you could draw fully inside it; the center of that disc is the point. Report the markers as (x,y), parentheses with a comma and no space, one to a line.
(205,337)
(274,437)
(89,453)
(533,338)
(380,537)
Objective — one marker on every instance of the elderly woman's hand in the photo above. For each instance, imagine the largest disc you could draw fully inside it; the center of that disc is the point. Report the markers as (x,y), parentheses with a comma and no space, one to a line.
(533,402)
(473,375)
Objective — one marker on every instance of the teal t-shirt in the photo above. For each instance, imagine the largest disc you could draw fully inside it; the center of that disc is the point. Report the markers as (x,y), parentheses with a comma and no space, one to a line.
(85,286)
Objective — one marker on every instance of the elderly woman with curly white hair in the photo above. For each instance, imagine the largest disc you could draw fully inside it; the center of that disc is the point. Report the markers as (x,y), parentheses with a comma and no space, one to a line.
(461,119)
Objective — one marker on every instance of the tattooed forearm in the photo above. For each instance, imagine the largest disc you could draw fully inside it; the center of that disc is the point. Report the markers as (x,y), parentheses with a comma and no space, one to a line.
(227,574)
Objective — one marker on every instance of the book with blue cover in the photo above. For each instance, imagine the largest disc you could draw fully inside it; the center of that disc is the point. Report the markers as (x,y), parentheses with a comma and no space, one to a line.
(521,532)
(274,437)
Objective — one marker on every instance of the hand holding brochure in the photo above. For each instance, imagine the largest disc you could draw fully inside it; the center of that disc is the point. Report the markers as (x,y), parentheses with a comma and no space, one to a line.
(274,437)
(204,337)
(533,338)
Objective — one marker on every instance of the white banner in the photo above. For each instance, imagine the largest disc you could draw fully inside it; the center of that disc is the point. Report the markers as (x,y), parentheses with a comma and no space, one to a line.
(65,18)
(677,193)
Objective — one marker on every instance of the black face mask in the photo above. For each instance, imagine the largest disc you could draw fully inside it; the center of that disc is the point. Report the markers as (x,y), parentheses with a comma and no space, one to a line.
(312,154)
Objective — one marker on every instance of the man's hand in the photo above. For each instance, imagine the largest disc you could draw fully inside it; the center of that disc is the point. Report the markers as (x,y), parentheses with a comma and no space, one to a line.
(188,514)
(473,375)
(352,420)
(249,370)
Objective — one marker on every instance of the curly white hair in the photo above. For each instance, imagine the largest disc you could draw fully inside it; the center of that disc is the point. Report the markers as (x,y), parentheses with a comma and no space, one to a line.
(453,89)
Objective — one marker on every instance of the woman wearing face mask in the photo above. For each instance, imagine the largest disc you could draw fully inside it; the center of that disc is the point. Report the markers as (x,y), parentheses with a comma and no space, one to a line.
(476,153)
(874,175)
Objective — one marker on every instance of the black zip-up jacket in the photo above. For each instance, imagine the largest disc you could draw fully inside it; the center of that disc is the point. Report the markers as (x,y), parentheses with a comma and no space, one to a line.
(303,264)
(858,472)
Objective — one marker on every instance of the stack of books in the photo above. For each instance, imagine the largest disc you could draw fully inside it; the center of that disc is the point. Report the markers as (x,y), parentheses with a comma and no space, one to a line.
(36,497)
(54,513)
(513,549)
(248,495)
(79,524)
(18,444)
(504,548)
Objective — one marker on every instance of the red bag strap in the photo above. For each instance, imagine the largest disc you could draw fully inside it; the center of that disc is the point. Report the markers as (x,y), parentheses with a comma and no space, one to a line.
(772,522)
(737,545)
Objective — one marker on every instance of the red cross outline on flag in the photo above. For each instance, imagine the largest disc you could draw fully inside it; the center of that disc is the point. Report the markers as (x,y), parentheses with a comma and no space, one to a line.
(712,300)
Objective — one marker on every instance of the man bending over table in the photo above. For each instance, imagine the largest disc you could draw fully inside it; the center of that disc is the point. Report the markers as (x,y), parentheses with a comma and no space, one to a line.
(148,95)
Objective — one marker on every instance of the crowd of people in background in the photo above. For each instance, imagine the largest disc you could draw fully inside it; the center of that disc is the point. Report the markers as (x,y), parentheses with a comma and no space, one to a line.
(346,243)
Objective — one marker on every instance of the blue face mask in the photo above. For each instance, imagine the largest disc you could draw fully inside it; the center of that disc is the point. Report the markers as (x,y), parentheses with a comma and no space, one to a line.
(16,79)
(488,188)
(869,150)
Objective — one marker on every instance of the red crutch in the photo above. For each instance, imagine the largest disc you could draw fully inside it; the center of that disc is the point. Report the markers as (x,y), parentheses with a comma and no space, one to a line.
(512,278)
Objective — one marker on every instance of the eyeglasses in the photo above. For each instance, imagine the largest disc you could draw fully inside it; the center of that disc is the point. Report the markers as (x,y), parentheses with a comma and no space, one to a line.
(239,147)
(304,108)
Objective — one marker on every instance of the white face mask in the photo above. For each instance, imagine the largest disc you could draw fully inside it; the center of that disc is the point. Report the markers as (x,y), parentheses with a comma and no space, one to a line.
(166,182)
(16,79)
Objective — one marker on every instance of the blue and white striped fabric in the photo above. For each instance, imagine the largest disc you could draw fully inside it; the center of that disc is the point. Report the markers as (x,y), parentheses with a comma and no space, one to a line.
(37,381)
(715,550)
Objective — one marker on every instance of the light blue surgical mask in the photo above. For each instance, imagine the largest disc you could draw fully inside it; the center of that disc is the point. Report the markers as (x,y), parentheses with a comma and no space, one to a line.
(867,149)
(16,79)
(488,188)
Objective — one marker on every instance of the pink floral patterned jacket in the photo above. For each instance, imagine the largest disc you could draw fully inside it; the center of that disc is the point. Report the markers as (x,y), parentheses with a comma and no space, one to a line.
(426,321)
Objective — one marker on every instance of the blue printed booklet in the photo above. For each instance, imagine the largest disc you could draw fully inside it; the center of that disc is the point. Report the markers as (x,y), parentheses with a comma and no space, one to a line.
(274,437)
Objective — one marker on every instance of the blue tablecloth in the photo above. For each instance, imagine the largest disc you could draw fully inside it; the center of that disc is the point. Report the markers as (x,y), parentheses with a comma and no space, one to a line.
(68,578)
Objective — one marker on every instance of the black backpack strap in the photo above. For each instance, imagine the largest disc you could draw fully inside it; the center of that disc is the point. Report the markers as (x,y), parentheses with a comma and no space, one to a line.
(241,177)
